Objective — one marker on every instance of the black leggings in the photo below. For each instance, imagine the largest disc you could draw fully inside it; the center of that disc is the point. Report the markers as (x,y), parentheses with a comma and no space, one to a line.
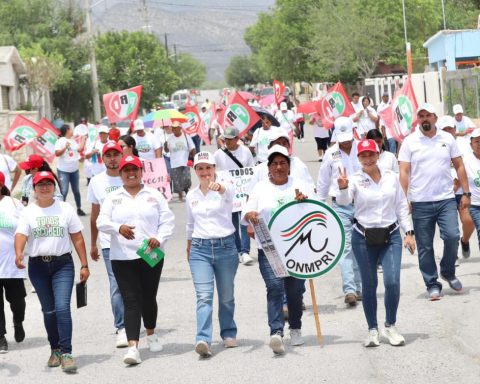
(15,294)
(138,284)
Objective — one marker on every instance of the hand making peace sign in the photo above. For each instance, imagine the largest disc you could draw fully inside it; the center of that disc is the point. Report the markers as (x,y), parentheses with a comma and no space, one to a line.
(342,178)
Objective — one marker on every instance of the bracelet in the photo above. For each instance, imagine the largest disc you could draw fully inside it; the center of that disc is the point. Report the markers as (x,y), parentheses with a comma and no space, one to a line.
(84,267)
(468,194)
(409,233)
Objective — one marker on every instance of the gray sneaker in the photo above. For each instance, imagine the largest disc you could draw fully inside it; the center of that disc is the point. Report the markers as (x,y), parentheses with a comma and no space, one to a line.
(433,293)
(3,345)
(454,283)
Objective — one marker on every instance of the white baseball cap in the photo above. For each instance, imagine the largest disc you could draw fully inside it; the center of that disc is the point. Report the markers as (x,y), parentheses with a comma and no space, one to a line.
(203,157)
(278,149)
(475,133)
(279,133)
(457,108)
(103,129)
(138,125)
(446,121)
(426,107)
(344,129)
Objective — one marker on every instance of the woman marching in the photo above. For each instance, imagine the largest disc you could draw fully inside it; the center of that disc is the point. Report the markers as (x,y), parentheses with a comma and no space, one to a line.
(48,228)
(133,214)
(11,278)
(381,208)
(212,253)
(265,199)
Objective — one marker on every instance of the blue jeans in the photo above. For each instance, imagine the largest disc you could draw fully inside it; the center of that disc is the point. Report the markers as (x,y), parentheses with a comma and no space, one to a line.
(197,141)
(214,260)
(72,178)
(115,295)
(425,216)
(390,257)
(475,214)
(54,282)
(242,241)
(352,281)
(392,145)
(276,287)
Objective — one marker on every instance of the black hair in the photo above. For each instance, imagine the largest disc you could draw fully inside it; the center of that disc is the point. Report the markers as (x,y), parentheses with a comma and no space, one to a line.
(130,141)
(63,130)
(4,191)
(355,94)
(376,134)
(367,98)
(270,158)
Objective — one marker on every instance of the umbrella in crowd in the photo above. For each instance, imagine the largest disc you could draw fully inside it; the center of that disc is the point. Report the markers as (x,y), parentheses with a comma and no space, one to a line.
(263,112)
(163,117)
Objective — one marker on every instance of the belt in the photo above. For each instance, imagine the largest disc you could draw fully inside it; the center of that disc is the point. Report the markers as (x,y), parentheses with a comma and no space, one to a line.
(219,241)
(391,227)
(50,258)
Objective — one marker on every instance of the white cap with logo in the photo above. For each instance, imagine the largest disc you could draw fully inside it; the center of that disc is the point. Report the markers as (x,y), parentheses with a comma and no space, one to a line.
(280,149)
(343,129)
(203,157)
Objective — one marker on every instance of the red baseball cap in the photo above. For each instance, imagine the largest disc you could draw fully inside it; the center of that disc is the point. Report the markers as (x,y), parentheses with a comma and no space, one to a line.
(33,161)
(44,175)
(2,179)
(129,160)
(111,146)
(367,145)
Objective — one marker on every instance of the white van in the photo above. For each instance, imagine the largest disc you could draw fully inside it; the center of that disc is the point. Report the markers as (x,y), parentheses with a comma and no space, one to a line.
(179,98)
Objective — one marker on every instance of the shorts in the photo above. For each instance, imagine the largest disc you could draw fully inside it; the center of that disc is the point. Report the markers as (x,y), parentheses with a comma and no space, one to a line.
(322,142)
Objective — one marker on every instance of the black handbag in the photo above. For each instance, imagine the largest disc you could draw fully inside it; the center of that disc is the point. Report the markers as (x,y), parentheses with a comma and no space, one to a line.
(377,236)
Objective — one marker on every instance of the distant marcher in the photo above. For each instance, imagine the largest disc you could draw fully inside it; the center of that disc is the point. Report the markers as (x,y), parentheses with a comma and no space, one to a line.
(386,160)
(366,118)
(128,145)
(7,166)
(463,124)
(472,167)
(114,133)
(391,142)
(146,144)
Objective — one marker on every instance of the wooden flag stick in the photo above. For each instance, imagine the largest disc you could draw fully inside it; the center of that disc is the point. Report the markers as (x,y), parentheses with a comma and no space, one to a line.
(315,312)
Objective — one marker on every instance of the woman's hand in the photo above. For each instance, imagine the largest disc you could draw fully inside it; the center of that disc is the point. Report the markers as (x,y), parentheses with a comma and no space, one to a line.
(19,261)
(214,186)
(127,231)
(342,178)
(299,196)
(84,274)
(252,217)
(153,243)
(409,243)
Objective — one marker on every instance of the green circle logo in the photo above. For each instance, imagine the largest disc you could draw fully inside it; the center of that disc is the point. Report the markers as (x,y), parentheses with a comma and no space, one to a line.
(238,116)
(404,115)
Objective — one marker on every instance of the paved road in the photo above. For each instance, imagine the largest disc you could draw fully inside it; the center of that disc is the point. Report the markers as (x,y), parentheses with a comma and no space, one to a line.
(443,338)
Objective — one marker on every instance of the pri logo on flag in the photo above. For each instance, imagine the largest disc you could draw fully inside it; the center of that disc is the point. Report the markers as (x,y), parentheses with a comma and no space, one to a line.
(191,125)
(404,115)
(238,116)
(123,104)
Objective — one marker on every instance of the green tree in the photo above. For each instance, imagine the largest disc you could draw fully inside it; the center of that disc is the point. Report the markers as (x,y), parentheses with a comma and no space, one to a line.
(191,72)
(128,59)
(243,70)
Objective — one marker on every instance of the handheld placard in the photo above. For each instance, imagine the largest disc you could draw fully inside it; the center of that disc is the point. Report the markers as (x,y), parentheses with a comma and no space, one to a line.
(151,256)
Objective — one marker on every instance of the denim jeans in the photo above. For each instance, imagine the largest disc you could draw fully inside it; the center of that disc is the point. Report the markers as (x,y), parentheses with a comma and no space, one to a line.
(53,282)
(115,295)
(72,178)
(352,281)
(197,141)
(242,241)
(214,260)
(475,214)
(390,257)
(425,216)
(392,145)
(276,287)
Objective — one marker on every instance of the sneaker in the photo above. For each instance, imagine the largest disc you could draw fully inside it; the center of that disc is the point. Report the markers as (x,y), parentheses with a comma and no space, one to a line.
(393,337)
(372,339)
(54,359)
(351,299)
(19,333)
(154,343)
(276,343)
(203,349)
(122,341)
(454,283)
(33,290)
(246,259)
(3,345)
(80,212)
(465,249)
(296,337)
(132,357)
(433,293)
(68,363)
(230,342)
(359,295)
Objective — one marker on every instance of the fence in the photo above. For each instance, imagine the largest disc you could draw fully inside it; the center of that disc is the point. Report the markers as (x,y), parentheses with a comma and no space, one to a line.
(463,87)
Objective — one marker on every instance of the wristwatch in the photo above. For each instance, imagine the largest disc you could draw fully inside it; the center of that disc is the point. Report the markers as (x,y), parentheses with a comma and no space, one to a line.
(409,233)
(468,194)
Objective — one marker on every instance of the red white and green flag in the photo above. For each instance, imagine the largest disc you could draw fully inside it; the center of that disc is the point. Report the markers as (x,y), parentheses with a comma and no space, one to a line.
(336,103)
(194,124)
(240,115)
(22,131)
(45,145)
(400,117)
(123,105)
(278,89)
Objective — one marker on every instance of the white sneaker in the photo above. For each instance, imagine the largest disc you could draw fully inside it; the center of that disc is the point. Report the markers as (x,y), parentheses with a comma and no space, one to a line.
(246,259)
(296,337)
(276,343)
(132,356)
(122,341)
(154,343)
(393,336)
(33,290)
(372,339)
(203,349)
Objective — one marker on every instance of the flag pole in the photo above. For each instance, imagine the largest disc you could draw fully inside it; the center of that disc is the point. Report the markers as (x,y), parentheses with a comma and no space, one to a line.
(315,312)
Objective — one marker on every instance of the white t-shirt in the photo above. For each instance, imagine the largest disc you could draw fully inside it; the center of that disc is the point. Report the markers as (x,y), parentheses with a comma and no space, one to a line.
(98,189)
(68,162)
(266,198)
(464,124)
(224,162)
(10,213)
(319,131)
(80,130)
(148,212)
(472,167)
(286,120)
(146,145)
(365,124)
(48,229)
(179,148)
(209,216)
(7,165)
(261,140)
(430,177)
(162,138)
(387,160)
(97,164)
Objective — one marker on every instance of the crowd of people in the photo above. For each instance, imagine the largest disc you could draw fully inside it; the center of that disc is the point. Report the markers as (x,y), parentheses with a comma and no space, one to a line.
(384,205)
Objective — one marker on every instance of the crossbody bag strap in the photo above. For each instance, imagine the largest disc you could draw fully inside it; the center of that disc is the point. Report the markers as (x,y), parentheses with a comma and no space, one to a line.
(232,156)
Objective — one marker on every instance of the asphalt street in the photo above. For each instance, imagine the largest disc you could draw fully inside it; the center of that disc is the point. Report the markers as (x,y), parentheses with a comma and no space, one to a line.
(442,338)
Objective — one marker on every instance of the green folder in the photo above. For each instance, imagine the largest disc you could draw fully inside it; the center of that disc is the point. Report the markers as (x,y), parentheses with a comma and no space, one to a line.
(153,257)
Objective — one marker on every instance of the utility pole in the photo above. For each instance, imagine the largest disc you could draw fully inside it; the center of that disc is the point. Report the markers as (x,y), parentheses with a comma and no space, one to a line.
(147,26)
(93,63)
(166,45)
(443,13)
(175,52)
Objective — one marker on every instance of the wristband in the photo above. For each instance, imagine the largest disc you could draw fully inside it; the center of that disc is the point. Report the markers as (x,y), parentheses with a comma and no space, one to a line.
(468,194)
(409,233)
(84,267)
